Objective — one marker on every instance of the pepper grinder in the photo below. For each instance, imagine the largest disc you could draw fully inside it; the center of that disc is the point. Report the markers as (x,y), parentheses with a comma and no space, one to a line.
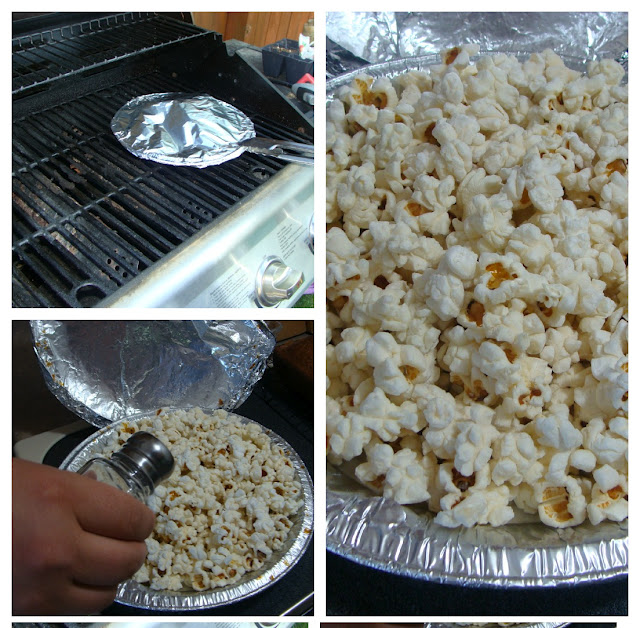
(137,468)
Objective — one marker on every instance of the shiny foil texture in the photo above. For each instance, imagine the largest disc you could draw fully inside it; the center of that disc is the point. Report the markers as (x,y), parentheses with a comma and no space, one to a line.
(385,36)
(107,370)
(182,129)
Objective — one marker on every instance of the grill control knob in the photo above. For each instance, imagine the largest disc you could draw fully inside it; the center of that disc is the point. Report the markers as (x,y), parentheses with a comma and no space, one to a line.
(276,281)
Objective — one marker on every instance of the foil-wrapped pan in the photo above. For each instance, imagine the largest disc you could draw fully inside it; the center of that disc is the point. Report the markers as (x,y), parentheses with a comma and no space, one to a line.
(182,129)
(380,533)
(132,593)
(194,130)
(106,370)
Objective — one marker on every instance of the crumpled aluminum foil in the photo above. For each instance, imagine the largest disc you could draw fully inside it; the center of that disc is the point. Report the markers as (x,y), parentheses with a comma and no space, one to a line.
(182,129)
(132,593)
(107,370)
(384,36)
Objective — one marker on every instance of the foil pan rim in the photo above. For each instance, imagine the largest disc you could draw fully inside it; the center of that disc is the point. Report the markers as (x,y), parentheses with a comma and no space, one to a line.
(134,594)
(422,62)
(357,529)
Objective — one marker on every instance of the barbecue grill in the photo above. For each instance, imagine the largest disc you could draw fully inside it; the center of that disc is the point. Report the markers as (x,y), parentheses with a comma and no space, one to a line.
(96,226)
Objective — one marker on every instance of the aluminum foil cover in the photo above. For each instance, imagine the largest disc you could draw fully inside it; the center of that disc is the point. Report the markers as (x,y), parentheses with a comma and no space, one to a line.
(378,532)
(107,370)
(182,129)
(132,593)
(384,36)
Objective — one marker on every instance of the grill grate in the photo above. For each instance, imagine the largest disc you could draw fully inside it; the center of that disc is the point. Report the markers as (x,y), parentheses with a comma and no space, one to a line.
(89,216)
(43,57)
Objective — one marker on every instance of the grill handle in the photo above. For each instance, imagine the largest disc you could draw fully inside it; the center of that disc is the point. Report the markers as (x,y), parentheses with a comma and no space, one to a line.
(295,152)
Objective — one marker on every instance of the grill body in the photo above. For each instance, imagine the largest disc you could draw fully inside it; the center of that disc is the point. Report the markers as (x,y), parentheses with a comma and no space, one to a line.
(92,224)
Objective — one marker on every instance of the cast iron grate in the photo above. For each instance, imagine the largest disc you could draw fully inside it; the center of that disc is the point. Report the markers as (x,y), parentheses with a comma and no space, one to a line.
(43,57)
(88,216)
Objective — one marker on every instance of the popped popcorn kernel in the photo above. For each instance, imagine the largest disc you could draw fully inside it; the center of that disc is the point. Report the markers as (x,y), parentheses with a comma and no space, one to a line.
(477,342)
(229,503)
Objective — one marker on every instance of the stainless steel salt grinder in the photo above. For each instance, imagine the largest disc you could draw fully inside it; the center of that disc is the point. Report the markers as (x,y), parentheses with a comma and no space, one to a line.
(137,468)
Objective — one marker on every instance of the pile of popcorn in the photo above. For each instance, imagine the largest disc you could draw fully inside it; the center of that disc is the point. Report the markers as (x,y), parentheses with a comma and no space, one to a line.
(228,505)
(477,287)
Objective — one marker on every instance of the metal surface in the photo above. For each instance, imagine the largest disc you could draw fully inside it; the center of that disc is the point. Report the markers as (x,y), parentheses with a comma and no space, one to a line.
(303,607)
(295,152)
(276,281)
(87,216)
(149,454)
(42,57)
(380,533)
(134,594)
(195,130)
(220,265)
(106,370)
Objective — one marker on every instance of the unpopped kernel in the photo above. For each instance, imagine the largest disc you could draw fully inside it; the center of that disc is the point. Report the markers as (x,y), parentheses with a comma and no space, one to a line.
(477,354)
(230,502)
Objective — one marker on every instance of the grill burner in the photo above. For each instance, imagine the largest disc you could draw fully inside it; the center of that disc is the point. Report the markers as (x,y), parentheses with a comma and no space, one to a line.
(88,217)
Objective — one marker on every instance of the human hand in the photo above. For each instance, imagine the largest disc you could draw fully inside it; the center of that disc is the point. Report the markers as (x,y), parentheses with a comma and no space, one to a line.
(74,540)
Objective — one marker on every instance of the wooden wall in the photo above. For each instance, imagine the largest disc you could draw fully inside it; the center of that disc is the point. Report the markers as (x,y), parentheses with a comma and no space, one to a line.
(257,28)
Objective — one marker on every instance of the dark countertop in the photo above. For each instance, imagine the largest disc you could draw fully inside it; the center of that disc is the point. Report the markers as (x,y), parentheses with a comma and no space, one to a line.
(353,589)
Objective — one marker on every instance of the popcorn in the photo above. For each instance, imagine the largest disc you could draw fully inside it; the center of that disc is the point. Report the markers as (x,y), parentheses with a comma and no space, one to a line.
(380,415)
(561,506)
(395,367)
(229,503)
(477,355)
(405,474)
(609,504)
(444,293)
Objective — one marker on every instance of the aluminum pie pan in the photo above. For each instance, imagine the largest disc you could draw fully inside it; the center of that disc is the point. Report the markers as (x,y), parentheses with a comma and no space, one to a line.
(423,63)
(377,532)
(132,593)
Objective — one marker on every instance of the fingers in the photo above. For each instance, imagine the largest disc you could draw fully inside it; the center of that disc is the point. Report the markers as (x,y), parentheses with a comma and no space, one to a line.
(85,600)
(107,511)
(63,597)
(117,560)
